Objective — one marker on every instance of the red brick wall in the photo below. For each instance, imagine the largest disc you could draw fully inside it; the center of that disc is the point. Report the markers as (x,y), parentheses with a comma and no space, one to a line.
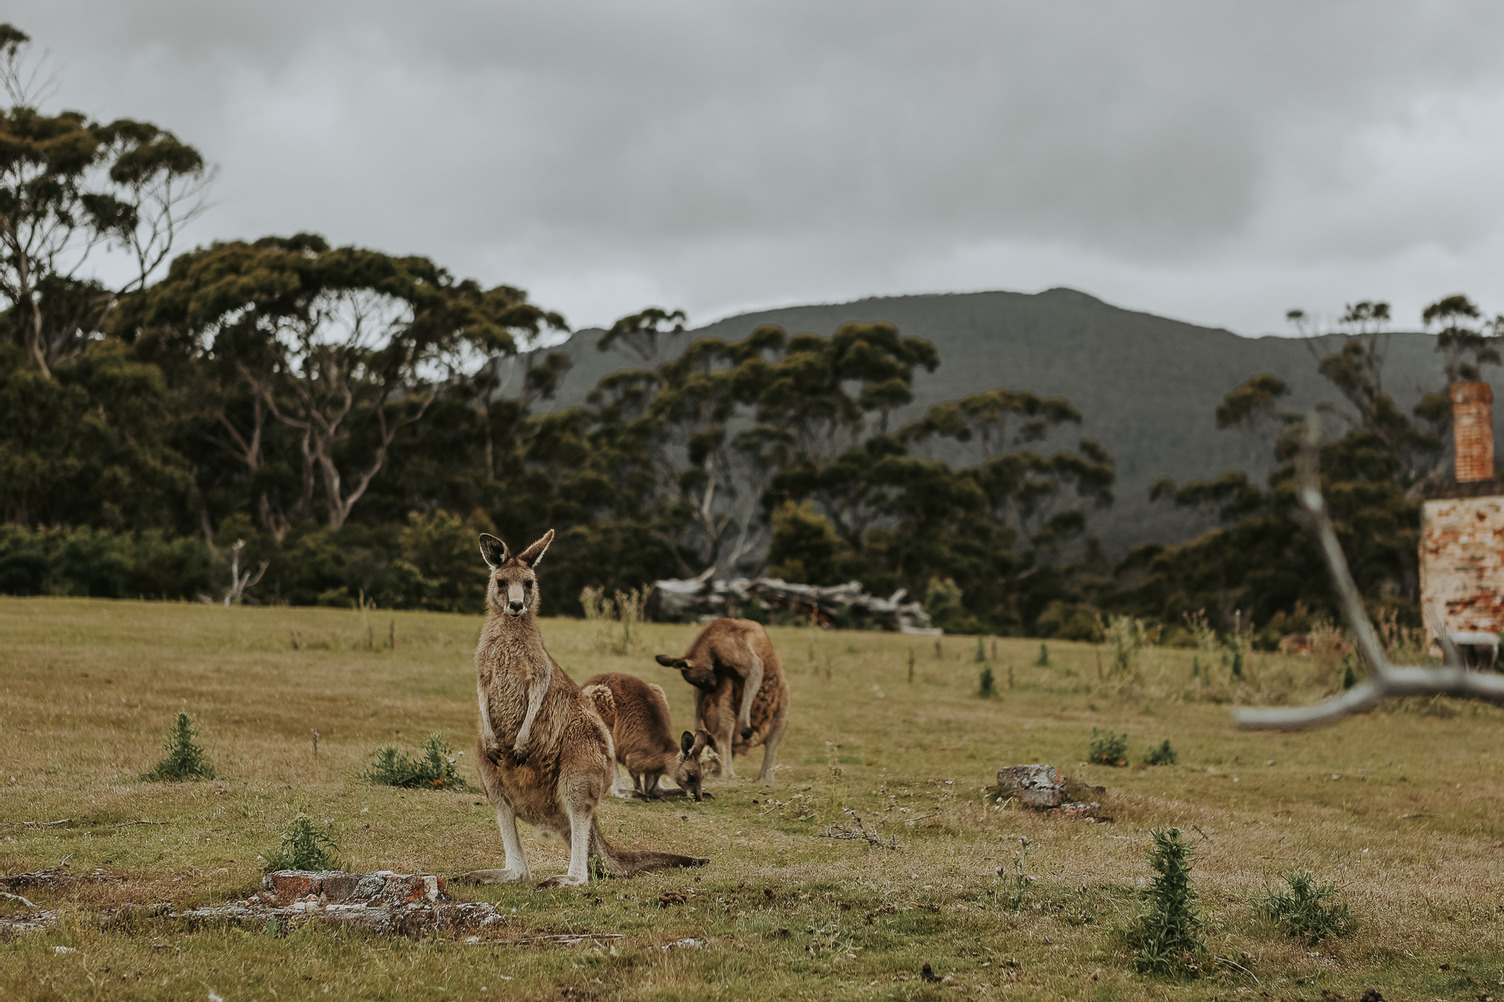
(1462,561)
(1473,430)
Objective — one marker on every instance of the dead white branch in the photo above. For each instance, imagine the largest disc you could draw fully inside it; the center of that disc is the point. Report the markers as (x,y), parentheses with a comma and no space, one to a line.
(1385,680)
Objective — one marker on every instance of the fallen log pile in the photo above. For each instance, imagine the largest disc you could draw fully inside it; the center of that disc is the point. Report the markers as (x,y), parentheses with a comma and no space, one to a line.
(673,600)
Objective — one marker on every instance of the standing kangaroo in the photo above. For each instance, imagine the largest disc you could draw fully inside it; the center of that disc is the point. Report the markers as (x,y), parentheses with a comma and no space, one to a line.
(741,694)
(545,753)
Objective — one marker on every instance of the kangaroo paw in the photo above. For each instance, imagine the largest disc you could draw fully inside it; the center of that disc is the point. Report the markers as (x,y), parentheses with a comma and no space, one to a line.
(493,877)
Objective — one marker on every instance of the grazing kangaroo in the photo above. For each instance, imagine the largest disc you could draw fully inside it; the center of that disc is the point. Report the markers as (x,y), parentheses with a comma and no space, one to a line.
(741,694)
(545,752)
(644,736)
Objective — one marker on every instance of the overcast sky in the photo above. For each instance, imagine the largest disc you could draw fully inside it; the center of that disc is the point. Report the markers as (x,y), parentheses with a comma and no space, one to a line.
(1212,162)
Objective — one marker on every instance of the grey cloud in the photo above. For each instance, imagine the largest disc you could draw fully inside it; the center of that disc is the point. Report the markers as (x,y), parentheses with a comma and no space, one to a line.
(728,155)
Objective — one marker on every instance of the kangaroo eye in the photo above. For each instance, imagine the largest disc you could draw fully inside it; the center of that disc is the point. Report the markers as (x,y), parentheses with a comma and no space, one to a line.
(527,586)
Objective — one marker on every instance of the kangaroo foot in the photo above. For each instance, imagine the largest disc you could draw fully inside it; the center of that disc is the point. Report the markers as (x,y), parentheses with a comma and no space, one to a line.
(564,880)
(493,877)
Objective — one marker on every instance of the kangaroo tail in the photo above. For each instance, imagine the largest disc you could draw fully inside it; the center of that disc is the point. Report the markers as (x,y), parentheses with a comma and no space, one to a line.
(619,862)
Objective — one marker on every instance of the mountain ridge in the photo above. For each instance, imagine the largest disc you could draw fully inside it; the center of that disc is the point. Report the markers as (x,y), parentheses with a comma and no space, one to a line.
(1147,386)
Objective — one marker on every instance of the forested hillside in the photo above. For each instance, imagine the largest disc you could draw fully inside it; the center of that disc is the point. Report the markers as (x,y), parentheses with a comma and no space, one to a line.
(1147,387)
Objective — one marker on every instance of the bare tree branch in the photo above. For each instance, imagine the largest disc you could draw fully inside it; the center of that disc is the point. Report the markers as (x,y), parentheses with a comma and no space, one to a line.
(1385,679)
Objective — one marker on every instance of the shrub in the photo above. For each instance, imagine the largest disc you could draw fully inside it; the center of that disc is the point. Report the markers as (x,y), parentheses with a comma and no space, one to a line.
(185,759)
(1108,748)
(1043,661)
(305,846)
(1168,937)
(1162,755)
(986,685)
(1305,910)
(432,770)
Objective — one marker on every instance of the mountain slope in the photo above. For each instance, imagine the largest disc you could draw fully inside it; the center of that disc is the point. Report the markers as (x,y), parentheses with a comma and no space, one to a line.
(1147,387)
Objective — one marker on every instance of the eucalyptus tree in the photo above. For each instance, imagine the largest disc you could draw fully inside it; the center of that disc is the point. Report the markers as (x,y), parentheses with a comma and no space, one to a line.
(71,190)
(344,348)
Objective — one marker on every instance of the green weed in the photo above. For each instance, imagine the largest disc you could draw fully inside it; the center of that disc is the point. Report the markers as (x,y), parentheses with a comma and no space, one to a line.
(185,759)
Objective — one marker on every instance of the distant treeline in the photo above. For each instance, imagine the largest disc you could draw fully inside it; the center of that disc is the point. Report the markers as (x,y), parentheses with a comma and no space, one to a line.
(352,419)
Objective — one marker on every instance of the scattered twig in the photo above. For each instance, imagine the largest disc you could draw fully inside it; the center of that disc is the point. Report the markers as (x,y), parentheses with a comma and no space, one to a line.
(862,832)
(16,897)
(1240,967)
(127,824)
(923,817)
(1198,831)
(36,824)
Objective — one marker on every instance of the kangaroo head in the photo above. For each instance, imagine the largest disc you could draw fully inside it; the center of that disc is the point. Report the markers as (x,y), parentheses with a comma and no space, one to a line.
(699,675)
(514,582)
(688,770)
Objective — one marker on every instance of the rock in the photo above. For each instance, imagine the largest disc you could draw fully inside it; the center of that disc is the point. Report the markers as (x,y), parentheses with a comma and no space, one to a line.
(1032,785)
(382,887)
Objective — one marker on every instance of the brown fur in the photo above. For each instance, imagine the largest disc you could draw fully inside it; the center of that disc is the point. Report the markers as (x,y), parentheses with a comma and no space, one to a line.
(545,753)
(741,694)
(644,736)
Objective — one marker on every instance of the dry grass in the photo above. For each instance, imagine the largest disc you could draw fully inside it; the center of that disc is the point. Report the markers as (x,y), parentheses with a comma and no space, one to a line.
(1399,808)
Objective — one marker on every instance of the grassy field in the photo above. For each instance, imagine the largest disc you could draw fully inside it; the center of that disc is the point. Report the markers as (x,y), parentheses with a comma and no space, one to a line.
(1400,808)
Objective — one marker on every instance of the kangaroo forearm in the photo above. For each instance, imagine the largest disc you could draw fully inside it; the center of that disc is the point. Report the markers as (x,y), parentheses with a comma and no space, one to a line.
(535,695)
(749,693)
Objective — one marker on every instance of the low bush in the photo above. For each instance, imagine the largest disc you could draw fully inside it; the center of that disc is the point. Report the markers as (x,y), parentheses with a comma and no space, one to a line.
(305,846)
(1306,909)
(1164,754)
(185,759)
(1108,748)
(433,769)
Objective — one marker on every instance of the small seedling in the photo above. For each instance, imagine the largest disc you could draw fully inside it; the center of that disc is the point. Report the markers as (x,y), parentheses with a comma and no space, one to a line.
(185,759)
(981,655)
(1305,910)
(1108,748)
(1162,755)
(305,846)
(432,770)
(1349,677)
(911,666)
(1168,936)
(987,685)
(1044,656)
(1013,886)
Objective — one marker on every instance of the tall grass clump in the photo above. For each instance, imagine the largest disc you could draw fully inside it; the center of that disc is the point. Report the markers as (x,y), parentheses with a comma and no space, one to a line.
(185,759)
(1167,937)
(614,620)
(433,769)
(305,846)
(1126,639)
(1306,909)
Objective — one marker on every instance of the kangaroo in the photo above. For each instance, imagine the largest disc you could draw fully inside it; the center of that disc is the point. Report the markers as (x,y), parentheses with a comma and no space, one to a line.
(741,694)
(545,752)
(644,737)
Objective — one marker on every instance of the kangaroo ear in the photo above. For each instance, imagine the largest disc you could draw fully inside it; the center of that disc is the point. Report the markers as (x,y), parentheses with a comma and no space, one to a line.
(686,742)
(678,664)
(493,551)
(530,556)
(702,738)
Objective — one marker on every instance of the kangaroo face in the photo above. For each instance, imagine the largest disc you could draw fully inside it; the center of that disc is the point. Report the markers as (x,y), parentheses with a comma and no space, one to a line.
(688,770)
(701,676)
(514,582)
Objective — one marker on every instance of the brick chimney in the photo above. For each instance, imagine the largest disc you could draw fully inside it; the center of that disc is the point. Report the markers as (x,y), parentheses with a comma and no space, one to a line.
(1473,430)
